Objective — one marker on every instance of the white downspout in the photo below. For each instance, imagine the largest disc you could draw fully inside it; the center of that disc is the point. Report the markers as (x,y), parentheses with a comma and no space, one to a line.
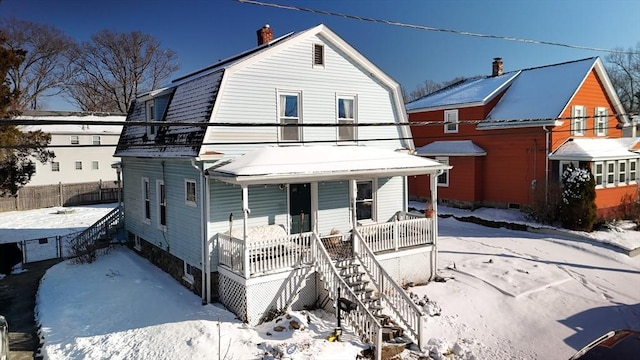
(546,164)
(434,222)
(245,220)
(207,211)
(202,236)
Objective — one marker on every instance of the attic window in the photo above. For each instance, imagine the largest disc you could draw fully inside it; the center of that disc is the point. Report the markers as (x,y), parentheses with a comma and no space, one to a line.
(151,116)
(318,55)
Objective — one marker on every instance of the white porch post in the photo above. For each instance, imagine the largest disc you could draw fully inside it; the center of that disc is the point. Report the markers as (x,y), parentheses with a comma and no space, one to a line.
(245,219)
(353,195)
(433,182)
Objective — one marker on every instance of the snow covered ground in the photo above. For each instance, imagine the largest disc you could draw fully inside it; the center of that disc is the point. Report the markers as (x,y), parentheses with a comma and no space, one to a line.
(509,295)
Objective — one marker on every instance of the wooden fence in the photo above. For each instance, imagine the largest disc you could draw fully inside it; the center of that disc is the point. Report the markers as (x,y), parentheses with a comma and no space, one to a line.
(38,197)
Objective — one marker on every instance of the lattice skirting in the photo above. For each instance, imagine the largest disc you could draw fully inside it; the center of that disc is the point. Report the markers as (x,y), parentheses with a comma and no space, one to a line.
(256,300)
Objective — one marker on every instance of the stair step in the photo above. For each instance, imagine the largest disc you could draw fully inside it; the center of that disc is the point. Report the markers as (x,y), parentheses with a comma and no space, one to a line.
(359,283)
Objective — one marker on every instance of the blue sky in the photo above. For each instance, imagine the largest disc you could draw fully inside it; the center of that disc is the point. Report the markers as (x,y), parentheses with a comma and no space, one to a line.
(203,32)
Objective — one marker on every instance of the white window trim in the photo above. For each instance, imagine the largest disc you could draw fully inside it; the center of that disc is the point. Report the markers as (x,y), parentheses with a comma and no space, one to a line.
(58,166)
(187,277)
(601,174)
(607,173)
(601,115)
(193,203)
(313,56)
(74,140)
(625,164)
(633,180)
(374,195)
(355,118)
(446,123)
(150,108)
(578,119)
(159,201)
(280,93)
(96,140)
(561,164)
(146,197)
(136,243)
(443,160)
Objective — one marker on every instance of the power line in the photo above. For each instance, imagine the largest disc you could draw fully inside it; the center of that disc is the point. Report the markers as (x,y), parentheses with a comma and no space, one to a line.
(430,28)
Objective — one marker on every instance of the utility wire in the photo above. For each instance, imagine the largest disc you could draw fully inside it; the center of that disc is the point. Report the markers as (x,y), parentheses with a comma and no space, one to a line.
(429,28)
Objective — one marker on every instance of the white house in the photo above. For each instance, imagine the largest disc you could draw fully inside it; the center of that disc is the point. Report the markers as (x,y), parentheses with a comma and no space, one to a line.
(84,152)
(276,179)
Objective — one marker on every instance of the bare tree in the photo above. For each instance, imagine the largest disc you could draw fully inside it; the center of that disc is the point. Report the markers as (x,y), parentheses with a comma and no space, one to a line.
(624,71)
(112,69)
(427,87)
(45,67)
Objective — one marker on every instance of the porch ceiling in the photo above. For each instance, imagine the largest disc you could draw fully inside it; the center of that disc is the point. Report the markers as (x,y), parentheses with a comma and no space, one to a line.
(286,164)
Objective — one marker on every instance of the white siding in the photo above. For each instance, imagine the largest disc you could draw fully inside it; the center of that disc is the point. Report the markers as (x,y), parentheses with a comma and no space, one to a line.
(390,197)
(250,95)
(333,207)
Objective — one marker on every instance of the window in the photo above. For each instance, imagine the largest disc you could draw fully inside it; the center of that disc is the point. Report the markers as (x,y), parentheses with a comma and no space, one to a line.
(96,140)
(78,165)
(74,139)
(601,121)
(95,165)
(564,165)
(162,204)
(364,200)
(611,172)
(598,173)
(43,241)
(290,114)
(190,192)
(136,243)
(443,179)
(146,192)
(451,121)
(346,115)
(633,170)
(318,55)
(622,172)
(151,116)
(578,120)
(189,271)
(55,166)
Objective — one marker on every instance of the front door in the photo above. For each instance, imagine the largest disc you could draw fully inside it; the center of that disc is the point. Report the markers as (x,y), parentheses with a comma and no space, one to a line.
(300,207)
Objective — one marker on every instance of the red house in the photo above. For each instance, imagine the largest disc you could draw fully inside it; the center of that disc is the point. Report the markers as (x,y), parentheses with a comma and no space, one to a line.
(508,136)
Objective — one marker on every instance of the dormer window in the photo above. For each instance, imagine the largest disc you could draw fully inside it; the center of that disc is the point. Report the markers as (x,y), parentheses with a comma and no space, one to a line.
(318,55)
(151,116)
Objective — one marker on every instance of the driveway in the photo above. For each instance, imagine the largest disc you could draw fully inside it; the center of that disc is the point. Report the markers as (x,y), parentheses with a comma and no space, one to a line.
(17,304)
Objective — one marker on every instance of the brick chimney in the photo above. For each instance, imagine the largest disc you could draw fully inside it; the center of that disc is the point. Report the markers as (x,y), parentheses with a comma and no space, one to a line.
(497,67)
(265,34)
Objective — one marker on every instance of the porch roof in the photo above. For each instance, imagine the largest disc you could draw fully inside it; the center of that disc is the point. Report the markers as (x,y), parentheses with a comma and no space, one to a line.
(273,165)
(594,149)
(451,148)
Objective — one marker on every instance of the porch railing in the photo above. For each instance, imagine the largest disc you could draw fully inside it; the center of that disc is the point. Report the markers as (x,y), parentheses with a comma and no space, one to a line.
(397,234)
(264,256)
(361,319)
(403,310)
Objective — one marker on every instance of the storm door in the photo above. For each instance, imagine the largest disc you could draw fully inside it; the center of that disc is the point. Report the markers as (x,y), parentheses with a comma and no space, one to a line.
(300,207)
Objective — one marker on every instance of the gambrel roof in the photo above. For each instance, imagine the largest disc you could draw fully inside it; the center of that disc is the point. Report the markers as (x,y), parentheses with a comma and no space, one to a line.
(531,97)
(192,100)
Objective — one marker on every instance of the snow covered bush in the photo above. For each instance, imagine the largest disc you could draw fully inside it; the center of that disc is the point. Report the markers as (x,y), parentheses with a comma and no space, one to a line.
(578,203)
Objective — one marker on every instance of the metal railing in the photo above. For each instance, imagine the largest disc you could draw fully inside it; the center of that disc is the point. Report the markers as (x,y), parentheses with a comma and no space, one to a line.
(108,224)
(404,311)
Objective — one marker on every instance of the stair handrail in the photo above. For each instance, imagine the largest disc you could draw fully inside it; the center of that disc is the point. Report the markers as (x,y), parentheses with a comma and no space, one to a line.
(105,223)
(406,313)
(362,320)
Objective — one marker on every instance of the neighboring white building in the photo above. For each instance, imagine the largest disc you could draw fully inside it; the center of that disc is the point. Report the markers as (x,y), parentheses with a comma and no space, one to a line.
(84,153)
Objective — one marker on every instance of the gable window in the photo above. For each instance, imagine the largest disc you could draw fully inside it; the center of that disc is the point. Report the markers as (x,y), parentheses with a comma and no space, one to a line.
(318,55)
(443,179)
(622,172)
(346,116)
(78,165)
(633,170)
(451,121)
(598,173)
(190,192)
(189,271)
(611,172)
(162,204)
(146,200)
(151,116)
(364,200)
(55,166)
(95,165)
(74,139)
(578,120)
(289,113)
(601,121)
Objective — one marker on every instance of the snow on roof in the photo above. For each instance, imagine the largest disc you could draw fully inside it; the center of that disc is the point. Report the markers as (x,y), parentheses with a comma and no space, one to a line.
(276,163)
(540,93)
(591,149)
(451,148)
(476,90)
(74,129)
